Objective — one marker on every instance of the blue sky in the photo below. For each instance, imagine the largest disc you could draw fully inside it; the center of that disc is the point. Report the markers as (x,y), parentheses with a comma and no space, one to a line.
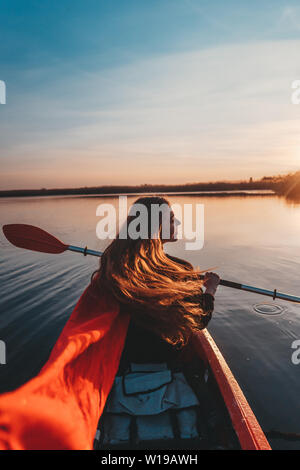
(133,92)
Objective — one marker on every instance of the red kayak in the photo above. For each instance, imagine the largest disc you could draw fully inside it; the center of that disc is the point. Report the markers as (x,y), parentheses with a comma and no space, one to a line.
(61,407)
(244,423)
(225,418)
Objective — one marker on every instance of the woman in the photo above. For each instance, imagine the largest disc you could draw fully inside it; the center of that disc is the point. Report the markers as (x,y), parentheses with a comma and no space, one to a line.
(164,297)
(149,395)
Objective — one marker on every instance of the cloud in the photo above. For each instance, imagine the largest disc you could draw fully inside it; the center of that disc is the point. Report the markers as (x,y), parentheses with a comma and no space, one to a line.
(290,18)
(218,112)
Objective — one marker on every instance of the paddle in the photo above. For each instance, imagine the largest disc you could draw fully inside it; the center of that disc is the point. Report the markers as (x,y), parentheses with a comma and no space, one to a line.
(36,239)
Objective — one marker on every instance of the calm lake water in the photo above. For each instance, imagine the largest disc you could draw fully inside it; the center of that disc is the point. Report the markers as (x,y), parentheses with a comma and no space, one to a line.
(253,239)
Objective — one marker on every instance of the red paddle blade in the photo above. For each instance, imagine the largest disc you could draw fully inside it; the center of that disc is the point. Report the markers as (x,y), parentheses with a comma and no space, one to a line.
(33,238)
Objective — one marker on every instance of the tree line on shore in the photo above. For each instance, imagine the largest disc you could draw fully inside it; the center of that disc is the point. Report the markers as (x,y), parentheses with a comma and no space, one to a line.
(288,185)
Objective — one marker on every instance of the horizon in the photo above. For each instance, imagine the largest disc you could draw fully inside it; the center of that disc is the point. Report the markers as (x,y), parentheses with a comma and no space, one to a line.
(140,185)
(100,94)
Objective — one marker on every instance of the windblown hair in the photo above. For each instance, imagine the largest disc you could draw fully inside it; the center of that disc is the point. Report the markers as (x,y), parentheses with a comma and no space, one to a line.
(162,293)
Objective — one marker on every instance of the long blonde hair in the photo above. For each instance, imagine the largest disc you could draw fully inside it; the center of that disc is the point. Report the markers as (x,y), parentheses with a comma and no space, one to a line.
(161,292)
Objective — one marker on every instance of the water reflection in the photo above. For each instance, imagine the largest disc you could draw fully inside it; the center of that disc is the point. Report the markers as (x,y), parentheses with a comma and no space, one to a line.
(253,239)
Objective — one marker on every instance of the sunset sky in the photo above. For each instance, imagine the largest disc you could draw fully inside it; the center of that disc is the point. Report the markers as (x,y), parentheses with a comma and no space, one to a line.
(157,91)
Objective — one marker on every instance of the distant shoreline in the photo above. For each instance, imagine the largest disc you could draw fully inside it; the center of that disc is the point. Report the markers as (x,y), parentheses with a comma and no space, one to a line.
(190,193)
(218,188)
(251,193)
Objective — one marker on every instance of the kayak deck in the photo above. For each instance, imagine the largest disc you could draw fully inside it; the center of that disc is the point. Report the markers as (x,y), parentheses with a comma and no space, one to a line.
(225,419)
(244,422)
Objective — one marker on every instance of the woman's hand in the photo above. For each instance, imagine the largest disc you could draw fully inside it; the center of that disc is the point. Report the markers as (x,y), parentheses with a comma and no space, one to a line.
(211,282)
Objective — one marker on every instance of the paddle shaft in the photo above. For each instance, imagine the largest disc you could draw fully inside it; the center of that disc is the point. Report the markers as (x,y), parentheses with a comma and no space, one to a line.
(36,239)
(234,285)
(257,290)
(85,251)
